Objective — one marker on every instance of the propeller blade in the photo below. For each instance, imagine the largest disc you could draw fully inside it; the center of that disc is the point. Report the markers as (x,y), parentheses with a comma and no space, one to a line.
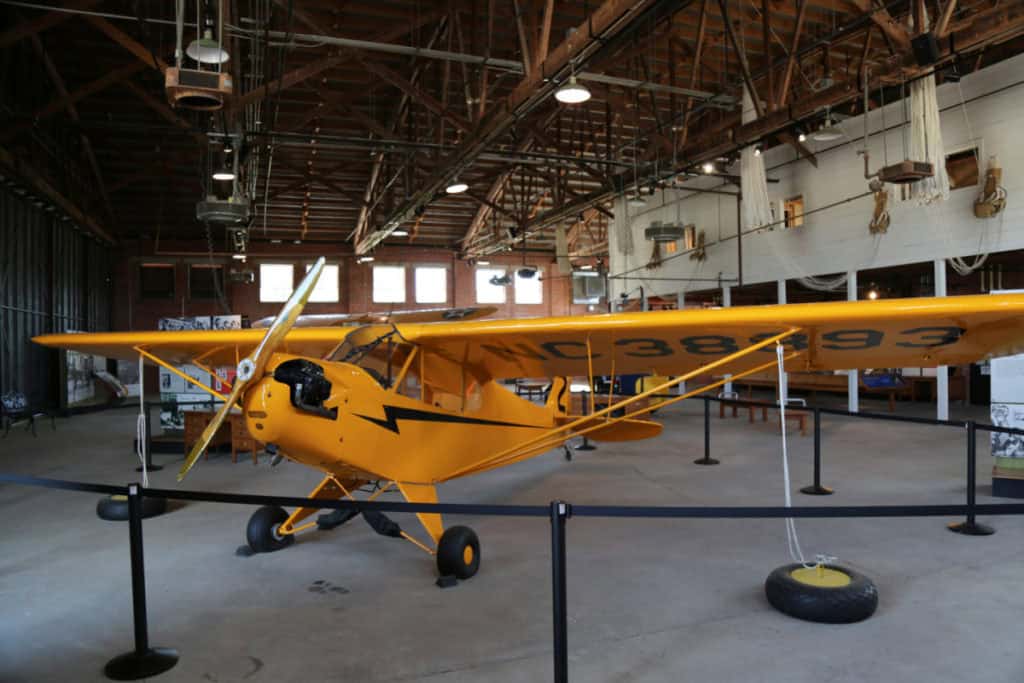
(210,431)
(253,366)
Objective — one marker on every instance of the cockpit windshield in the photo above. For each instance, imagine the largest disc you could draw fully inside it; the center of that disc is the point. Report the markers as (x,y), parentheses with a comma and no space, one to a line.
(378,350)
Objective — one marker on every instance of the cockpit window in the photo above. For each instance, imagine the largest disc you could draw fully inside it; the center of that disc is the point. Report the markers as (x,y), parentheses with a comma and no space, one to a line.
(379,351)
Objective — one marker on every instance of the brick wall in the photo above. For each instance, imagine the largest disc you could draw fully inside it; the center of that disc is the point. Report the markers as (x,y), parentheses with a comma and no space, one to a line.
(355,287)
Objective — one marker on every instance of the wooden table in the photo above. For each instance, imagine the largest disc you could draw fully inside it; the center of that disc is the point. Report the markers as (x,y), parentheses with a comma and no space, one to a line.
(233,432)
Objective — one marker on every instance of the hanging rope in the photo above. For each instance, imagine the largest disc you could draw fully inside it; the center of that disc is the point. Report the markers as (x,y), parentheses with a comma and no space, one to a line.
(753,181)
(140,425)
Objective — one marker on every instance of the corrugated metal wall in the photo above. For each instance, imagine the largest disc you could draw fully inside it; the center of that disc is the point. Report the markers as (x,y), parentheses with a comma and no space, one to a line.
(53,278)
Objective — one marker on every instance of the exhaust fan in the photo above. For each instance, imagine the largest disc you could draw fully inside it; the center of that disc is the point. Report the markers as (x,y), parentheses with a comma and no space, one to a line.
(232,211)
(664,232)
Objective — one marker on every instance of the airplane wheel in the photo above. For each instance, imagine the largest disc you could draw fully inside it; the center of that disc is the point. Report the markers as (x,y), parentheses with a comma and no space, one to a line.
(261,532)
(458,553)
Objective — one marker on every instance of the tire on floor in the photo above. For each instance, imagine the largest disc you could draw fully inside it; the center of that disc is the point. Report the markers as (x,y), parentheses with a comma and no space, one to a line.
(842,596)
(115,508)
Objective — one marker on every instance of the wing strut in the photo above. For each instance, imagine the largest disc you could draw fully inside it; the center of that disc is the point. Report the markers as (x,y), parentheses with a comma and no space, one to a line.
(179,373)
(558,435)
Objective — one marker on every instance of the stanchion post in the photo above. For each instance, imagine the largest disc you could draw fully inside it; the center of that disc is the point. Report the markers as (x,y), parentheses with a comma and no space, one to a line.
(560,512)
(816,489)
(707,459)
(585,445)
(971,527)
(144,661)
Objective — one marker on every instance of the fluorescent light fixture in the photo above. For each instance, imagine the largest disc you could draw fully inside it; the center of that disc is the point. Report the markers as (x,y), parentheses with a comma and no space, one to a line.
(206,50)
(400,233)
(224,174)
(275,241)
(572,92)
(587,266)
(827,133)
(757,151)
(238,257)
(296,241)
(802,137)
(364,259)
(456,186)
(483,262)
(708,167)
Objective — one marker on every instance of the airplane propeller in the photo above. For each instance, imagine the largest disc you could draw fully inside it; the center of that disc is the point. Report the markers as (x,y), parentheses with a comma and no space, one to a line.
(253,365)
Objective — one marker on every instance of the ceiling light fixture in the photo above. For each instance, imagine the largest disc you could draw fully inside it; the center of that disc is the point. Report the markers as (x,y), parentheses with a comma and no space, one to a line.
(483,262)
(828,132)
(708,167)
(757,150)
(572,92)
(400,233)
(873,293)
(224,173)
(207,50)
(365,259)
(456,186)
(587,266)
(636,201)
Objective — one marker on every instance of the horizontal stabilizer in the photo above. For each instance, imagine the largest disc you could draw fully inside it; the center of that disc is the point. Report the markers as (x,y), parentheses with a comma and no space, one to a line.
(617,430)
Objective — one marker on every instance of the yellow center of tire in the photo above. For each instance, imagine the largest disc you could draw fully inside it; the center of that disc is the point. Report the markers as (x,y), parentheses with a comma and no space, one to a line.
(467,555)
(119,498)
(822,577)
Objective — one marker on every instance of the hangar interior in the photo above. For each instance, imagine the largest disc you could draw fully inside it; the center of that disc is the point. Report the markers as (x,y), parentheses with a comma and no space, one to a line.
(212,169)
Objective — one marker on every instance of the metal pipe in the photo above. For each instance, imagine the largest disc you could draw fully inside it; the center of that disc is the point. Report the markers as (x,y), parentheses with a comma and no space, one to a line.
(509,65)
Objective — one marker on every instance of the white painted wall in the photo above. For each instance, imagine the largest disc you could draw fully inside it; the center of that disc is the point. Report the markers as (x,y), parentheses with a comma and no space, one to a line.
(837,239)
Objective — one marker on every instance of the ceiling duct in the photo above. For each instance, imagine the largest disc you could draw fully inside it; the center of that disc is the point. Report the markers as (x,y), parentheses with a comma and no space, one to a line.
(664,232)
(231,211)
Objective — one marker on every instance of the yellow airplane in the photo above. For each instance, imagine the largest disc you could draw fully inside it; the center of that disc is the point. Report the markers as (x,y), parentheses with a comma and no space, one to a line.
(409,405)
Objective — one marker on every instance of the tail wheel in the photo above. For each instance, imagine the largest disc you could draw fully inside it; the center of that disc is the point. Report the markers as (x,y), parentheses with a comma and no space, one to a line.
(458,553)
(261,533)
(828,594)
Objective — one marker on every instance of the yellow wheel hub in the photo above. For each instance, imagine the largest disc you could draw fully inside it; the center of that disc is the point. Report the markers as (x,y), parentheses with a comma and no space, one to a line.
(467,555)
(820,576)
(118,497)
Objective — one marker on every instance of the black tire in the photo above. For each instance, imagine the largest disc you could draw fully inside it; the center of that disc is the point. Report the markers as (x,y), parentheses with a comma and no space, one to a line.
(261,532)
(115,508)
(452,553)
(848,604)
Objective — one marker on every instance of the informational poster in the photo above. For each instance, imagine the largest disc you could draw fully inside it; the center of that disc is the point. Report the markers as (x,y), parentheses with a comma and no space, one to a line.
(1007,408)
(128,374)
(179,395)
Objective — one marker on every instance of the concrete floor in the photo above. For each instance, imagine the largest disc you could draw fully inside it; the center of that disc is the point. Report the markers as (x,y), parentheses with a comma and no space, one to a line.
(648,600)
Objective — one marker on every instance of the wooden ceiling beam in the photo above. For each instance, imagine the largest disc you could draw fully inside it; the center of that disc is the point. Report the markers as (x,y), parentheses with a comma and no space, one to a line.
(307,71)
(62,91)
(144,54)
(891,28)
(417,93)
(43,22)
(741,57)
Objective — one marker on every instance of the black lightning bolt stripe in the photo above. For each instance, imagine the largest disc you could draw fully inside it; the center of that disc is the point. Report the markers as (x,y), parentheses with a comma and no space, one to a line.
(395,413)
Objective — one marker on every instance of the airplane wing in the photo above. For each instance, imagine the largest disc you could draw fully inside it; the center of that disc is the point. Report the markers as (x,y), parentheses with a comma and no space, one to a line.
(426,315)
(210,347)
(836,335)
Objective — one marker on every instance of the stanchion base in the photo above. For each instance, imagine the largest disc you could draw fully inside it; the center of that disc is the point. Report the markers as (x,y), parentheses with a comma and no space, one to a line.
(131,666)
(971,529)
(814,490)
(585,446)
(150,468)
(705,461)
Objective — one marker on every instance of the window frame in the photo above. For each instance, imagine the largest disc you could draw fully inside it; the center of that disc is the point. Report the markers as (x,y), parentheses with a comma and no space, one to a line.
(497,271)
(373,283)
(272,264)
(161,266)
(215,268)
(416,286)
(337,282)
(536,279)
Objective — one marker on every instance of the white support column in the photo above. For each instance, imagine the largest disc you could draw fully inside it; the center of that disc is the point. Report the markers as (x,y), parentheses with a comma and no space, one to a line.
(852,380)
(726,303)
(941,373)
(784,380)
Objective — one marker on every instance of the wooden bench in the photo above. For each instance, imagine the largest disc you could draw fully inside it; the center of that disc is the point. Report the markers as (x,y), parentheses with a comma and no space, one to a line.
(795,414)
